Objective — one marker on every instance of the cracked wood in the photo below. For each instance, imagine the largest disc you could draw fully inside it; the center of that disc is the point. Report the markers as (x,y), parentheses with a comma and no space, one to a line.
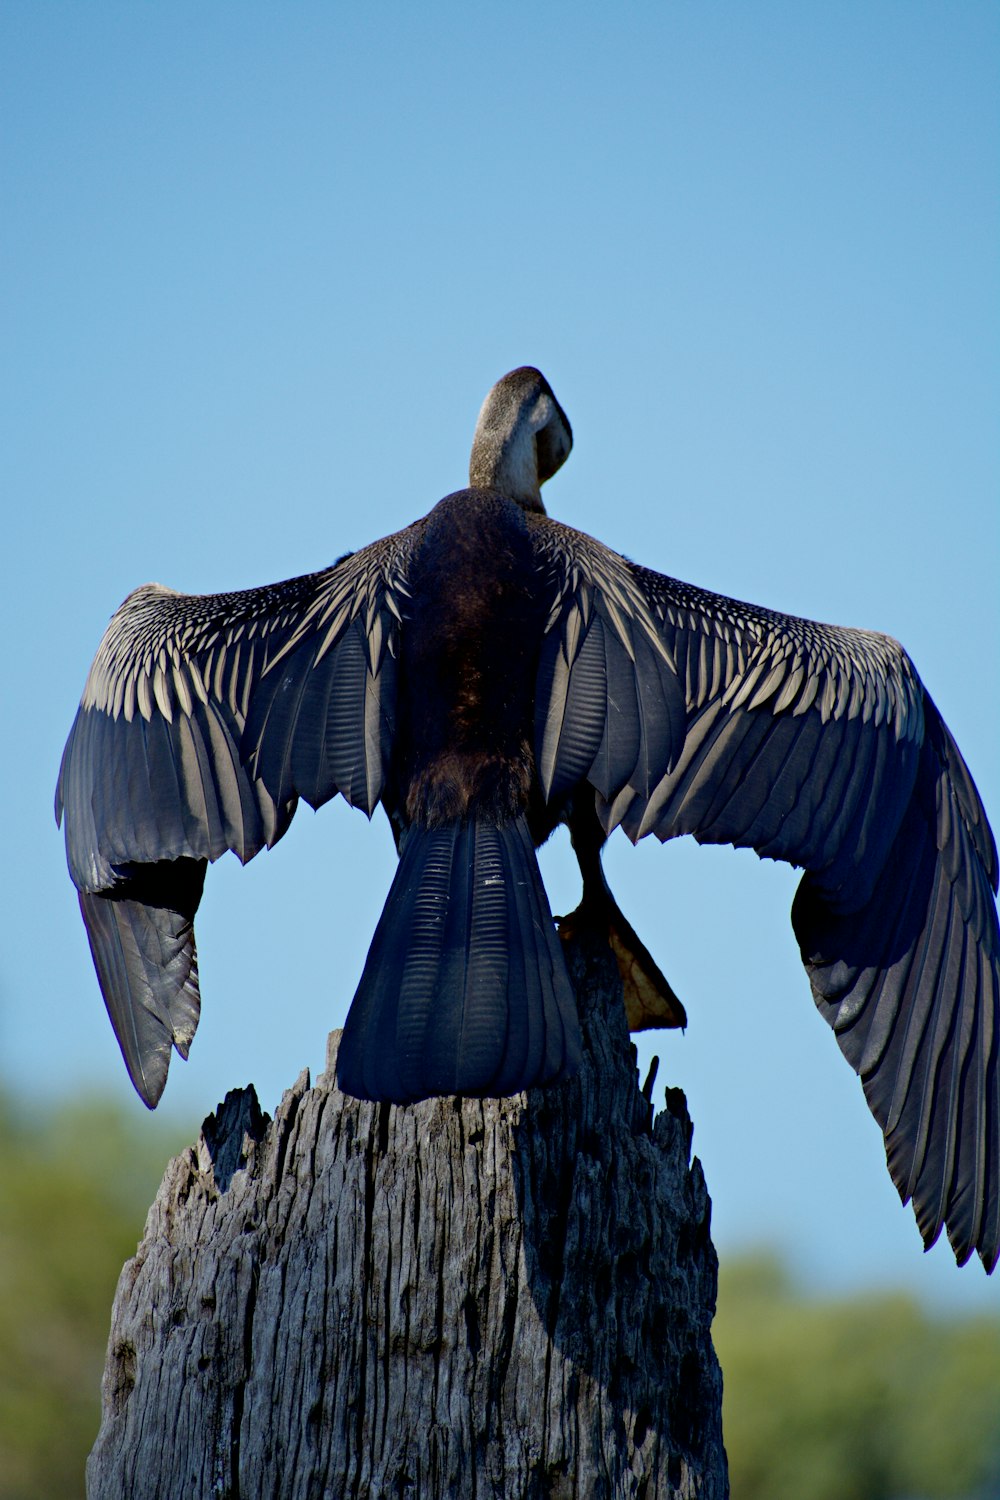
(496,1298)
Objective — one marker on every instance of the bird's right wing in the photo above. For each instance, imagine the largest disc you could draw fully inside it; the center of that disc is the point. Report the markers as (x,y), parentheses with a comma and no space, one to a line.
(202,721)
(688,712)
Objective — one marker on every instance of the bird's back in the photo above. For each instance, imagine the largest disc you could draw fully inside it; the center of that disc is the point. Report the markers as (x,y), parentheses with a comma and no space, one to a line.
(468,662)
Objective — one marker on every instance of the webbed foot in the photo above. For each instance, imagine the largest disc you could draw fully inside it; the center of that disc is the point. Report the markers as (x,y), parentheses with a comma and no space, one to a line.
(650,1002)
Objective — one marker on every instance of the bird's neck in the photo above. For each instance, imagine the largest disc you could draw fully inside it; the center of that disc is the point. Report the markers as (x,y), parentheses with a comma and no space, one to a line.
(507,462)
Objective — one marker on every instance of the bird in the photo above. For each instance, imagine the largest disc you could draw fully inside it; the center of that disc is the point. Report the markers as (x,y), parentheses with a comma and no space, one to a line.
(487,674)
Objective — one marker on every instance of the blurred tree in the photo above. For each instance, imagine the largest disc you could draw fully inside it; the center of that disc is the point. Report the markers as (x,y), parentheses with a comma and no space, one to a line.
(74,1190)
(866,1397)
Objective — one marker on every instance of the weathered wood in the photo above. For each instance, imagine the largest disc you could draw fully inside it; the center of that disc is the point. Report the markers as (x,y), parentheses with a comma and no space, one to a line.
(502,1298)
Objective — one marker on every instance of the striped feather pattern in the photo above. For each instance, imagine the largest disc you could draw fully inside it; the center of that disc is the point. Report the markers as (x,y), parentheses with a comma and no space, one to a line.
(465,989)
(819,746)
(608,701)
(199,724)
(909,982)
(202,721)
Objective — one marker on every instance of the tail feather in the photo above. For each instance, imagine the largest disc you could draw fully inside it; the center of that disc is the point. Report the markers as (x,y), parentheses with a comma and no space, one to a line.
(545,967)
(465,989)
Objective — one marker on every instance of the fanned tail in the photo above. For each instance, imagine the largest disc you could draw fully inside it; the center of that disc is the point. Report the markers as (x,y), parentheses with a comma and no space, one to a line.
(465,989)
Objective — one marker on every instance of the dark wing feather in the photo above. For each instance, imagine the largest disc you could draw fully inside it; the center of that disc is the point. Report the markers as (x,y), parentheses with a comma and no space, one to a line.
(142,941)
(818,746)
(909,982)
(203,720)
(609,706)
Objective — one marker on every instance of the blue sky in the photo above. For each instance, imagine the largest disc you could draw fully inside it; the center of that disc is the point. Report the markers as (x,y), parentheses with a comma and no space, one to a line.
(260,266)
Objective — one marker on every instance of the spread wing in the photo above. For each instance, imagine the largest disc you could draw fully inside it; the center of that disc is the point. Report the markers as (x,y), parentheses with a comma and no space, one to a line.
(202,721)
(692,713)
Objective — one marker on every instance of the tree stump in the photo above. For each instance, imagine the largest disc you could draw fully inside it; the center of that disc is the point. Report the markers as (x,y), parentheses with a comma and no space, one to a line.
(472,1298)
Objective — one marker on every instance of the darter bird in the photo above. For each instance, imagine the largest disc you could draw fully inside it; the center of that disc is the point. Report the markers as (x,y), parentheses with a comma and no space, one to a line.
(486,674)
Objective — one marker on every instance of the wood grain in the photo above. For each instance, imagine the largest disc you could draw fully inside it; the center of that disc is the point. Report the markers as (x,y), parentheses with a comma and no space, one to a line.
(471,1298)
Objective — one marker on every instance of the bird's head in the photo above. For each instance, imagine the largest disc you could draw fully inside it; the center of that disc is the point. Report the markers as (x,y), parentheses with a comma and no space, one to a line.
(522,437)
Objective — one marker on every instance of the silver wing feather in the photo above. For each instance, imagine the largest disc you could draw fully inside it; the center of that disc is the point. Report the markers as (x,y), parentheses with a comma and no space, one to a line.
(692,713)
(202,721)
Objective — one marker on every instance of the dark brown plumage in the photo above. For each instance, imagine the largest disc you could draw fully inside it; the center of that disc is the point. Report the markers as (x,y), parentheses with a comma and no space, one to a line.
(486,674)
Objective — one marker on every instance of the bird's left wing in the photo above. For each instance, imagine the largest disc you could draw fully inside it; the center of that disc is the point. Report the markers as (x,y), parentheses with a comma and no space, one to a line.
(692,713)
(203,719)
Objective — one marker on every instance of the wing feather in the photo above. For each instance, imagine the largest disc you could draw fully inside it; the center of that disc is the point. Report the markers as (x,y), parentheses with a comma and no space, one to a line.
(621,730)
(819,746)
(202,721)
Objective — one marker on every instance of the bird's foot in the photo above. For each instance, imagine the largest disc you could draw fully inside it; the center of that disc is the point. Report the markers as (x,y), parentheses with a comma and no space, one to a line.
(650,1002)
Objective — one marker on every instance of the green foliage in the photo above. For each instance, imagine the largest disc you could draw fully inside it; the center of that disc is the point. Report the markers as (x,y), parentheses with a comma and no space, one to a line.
(863,1398)
(860,1398)
(74,1190)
